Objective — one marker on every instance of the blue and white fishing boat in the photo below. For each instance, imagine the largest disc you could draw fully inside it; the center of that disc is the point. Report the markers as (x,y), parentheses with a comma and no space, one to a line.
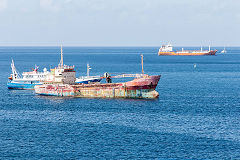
(27,80)
(88,79)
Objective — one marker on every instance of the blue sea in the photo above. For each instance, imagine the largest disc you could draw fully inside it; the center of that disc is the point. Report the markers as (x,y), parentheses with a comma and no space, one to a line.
(197,115)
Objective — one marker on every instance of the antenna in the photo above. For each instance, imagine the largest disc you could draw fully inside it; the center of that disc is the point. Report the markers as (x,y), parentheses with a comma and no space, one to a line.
(142,63)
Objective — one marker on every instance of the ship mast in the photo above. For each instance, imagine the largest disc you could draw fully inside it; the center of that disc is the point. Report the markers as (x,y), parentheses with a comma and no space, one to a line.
(142,63)
(61,61)
(88,69)
(15,74)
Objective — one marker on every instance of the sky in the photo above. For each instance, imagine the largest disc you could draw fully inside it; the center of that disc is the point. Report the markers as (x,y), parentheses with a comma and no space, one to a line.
(119,22)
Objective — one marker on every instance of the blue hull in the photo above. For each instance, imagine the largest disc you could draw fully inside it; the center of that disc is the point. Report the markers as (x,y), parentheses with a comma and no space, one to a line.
(90,81)
(12,85)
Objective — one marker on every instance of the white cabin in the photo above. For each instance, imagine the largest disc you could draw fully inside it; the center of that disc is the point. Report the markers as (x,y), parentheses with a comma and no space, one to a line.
(34,75)
(166,48)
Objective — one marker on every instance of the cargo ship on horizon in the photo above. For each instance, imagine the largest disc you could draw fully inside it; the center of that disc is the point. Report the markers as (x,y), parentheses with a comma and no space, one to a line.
(167,50)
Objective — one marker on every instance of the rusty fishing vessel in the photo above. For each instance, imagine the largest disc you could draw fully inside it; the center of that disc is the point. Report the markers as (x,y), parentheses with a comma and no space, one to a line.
(167,50)
(61,82)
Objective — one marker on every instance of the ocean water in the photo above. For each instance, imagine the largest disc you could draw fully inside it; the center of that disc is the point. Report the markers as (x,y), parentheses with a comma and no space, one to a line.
(197,115)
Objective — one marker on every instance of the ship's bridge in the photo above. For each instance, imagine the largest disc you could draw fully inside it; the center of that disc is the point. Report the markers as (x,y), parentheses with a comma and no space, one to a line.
(166,48)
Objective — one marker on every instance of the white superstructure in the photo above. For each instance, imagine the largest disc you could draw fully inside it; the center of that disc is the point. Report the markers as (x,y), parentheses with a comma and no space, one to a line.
(34,75)
(166,48)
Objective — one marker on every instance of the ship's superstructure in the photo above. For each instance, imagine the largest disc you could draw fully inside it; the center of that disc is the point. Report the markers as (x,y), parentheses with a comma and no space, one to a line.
(168,50)
(62,74)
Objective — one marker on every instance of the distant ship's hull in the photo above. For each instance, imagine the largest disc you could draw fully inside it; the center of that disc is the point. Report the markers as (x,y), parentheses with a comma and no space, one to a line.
(26,85)
(187,53)
(137,88)
(87,80)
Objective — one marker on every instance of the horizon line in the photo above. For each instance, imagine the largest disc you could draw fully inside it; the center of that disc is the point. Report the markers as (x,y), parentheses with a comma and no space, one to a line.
(112,46)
